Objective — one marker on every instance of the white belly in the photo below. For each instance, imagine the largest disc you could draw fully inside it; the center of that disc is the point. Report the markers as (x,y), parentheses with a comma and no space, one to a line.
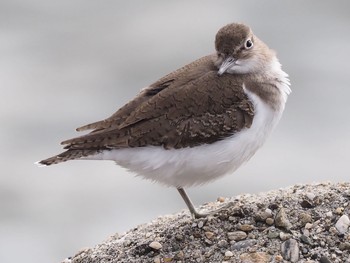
(198,165)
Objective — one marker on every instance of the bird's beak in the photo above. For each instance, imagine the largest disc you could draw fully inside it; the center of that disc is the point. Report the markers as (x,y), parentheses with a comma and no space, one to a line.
(226,64)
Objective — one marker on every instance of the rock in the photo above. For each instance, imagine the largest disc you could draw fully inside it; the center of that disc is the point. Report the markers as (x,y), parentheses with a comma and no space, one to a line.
(324,259)
(343,224)
(255,257)
(308,226)
(305,218)
(284,236)
(339,210)
(290,250)
(246,227)
(236,235)
(281,219)
(179,238)
(270,221)
(221,199)
(200,224)
(228,254)
(209,234)
(273,233)
(155,245)
(243,244)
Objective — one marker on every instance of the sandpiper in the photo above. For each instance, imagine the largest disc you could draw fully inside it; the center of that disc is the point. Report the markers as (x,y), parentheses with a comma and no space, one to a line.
(196,124)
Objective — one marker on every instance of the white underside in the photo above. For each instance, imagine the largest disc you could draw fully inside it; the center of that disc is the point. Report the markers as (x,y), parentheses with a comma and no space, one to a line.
(198,165)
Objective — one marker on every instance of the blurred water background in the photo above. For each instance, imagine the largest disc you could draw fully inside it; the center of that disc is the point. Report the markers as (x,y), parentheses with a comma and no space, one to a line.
(67,63)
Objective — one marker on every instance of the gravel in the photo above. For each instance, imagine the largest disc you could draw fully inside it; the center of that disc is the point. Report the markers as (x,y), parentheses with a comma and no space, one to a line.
(302,223)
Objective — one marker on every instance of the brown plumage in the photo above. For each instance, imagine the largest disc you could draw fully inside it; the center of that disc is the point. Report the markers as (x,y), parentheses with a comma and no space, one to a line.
(180,110)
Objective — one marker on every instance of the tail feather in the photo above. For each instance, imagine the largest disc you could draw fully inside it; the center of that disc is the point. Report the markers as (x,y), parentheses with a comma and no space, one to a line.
(66,156)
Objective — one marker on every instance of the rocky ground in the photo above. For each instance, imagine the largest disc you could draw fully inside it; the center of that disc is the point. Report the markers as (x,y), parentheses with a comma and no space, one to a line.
(303,223)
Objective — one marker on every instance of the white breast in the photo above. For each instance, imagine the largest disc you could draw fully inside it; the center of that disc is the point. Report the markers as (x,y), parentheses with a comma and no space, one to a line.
(198,165)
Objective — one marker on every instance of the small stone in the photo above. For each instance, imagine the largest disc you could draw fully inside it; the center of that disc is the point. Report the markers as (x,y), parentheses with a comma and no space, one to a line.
(284,236)
(221,199)
(305,218)
(222,243)
(281,220)
(308,226)
(270,221)
(209,234)
(155,245)
(179,237)
(243,244)
(344,246)
(333,230)
(342,224)
(180,255)
(290,250)
(168,259)
(307,204)
(310,196)
(261,216)
(200,224)
(273,233)
(246,227)
(329,214)
(324,259)
(228,254)
(279,258)
(255,257)
(305,240)
(339,210)
(157,260)
(236,235)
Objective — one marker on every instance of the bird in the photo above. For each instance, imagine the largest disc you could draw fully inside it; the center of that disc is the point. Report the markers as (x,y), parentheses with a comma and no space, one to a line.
(196,124)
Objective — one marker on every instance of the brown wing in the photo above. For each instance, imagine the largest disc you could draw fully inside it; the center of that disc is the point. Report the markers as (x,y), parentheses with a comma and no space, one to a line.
(176,78)
(180,110)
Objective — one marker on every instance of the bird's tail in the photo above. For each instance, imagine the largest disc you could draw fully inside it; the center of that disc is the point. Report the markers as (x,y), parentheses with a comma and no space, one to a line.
(71,154)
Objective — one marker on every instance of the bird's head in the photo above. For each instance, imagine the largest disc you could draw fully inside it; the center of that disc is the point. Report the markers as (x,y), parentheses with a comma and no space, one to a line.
(240,51)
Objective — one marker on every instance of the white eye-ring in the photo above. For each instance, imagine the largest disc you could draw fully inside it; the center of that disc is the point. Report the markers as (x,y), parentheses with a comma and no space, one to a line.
(248,44)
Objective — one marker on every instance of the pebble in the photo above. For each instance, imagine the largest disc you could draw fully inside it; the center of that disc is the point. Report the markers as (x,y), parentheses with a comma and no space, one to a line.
(243,244)
(255,257)
(308,226)
(221,199)
(342,224)
(155,245)
(281,220)
(344,246)
(290,250)
(329,214)
(209,234)
(305,218)
(228,254)
(222,243)
(305,240)
(339,210)
(284,236)
(157,260)
(236,235)
(324,259)
(200,224)
(310,196)
(273,233)
(279,258)
(270,221)
(246,227)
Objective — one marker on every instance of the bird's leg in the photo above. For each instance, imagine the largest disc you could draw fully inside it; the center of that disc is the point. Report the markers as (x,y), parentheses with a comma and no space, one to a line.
(189,204)
(193,210)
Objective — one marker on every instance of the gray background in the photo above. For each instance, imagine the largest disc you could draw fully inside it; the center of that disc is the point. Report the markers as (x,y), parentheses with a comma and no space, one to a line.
(67,63)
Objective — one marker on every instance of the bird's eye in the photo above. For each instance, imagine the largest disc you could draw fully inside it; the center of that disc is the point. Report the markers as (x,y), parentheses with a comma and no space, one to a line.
(248,44)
